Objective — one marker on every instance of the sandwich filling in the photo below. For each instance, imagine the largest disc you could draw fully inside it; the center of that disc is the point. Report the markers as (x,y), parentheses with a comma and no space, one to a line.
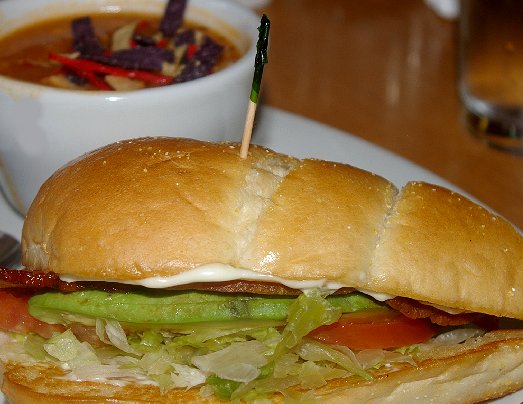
(185,338)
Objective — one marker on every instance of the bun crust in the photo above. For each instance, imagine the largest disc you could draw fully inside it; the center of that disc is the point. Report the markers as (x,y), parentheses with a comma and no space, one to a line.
(160,206)
(441,248)
(480,369)
(323,221)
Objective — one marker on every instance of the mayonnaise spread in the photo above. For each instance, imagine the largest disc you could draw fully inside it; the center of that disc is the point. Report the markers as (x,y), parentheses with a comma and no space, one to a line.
(217,273)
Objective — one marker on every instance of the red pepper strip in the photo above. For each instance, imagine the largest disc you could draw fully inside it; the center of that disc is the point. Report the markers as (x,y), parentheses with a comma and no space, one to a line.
(90,76)
(88,65)
(191,50)
(162,43)
(95,80)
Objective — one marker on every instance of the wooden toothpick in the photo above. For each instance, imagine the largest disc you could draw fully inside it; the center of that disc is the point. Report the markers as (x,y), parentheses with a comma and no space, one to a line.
(259,62)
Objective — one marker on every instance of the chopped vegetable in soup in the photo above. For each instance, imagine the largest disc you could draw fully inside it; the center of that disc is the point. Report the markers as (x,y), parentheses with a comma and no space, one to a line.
(115,51)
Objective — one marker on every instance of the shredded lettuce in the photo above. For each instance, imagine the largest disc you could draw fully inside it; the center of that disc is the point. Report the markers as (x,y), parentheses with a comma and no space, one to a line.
(457,336)
(262,388)
(375,358)
(318,352)
(308,312)
(234,363)
(100,330)
(222,388)
(313,375)
(186,376)
(34,346)
(66,348)
(150,340)
(239,362)
(117,336)
(157,362)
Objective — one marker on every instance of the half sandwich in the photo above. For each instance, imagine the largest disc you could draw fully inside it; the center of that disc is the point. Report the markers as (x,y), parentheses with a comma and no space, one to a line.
(165,270)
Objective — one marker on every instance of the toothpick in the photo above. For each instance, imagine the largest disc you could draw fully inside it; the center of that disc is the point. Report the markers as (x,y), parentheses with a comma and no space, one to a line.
(247,130)
(259,62)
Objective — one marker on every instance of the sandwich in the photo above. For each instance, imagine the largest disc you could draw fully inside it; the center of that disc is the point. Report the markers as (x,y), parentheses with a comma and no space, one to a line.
(164,270)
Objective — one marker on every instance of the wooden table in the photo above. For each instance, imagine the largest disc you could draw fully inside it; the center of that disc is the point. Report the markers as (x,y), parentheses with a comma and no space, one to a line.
(386,71)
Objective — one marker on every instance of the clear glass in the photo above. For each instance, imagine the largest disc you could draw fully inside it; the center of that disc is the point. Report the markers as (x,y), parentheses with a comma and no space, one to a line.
(491,70)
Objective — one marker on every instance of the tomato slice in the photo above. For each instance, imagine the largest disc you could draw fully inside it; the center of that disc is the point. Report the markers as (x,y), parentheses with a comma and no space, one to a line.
(375,329)
(15,316)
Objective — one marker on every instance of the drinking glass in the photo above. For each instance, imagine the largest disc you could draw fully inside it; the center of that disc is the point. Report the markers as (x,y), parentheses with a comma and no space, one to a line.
(491,70)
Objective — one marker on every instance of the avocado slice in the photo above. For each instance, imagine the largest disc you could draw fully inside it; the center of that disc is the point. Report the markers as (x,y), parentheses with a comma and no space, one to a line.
(172,308)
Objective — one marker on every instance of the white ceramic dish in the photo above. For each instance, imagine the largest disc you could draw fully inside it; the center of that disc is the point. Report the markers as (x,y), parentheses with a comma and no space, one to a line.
(301,137)
(41,127)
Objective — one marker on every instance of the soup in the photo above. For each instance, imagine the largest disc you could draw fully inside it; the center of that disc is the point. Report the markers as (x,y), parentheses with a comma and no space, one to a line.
(112,51)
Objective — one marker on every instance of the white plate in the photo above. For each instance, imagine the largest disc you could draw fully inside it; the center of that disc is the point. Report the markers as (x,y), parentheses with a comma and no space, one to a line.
(301,137)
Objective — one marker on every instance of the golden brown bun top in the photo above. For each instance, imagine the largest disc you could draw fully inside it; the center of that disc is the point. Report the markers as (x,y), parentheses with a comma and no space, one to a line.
(160,206)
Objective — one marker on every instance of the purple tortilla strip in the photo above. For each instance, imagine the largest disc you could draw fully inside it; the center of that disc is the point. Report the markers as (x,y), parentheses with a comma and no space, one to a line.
(202,62)
(84,37)
(141,58)
(173,17)
(144,40)
(184,38)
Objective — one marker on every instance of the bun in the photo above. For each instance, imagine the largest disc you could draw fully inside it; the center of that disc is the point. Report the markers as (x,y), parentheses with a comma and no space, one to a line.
(440,247)
(480,369)
(160,206)
(157,207)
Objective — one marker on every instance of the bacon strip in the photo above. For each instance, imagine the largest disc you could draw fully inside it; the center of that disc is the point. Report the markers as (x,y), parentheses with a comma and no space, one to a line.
(34,280)
(14,278)
(414,309)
